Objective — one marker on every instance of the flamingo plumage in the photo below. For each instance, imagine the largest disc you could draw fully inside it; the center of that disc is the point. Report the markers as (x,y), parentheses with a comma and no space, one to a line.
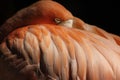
(52,44)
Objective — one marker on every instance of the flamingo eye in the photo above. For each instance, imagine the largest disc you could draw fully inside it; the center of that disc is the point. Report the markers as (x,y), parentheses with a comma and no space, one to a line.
(58,20)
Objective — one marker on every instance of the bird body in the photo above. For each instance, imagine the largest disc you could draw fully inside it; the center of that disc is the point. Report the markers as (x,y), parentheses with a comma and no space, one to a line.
(76,55)
(45,41)
(79,24)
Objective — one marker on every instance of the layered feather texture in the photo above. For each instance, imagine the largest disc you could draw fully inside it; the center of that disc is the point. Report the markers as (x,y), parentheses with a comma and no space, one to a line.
(42,50)
(60,53)
(44,11)
(80,24)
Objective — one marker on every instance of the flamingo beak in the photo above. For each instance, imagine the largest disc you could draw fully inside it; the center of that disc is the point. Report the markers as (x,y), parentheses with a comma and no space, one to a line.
(67,23)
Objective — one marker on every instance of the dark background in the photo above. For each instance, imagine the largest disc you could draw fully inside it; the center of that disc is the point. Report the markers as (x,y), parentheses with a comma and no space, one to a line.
(102,13)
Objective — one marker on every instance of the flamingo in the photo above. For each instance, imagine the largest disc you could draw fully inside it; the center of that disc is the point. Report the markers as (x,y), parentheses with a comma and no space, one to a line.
(46,53)
(42,46)
(40,12)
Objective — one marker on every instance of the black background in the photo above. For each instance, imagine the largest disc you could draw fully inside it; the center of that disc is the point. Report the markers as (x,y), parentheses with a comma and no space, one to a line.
(102,13)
